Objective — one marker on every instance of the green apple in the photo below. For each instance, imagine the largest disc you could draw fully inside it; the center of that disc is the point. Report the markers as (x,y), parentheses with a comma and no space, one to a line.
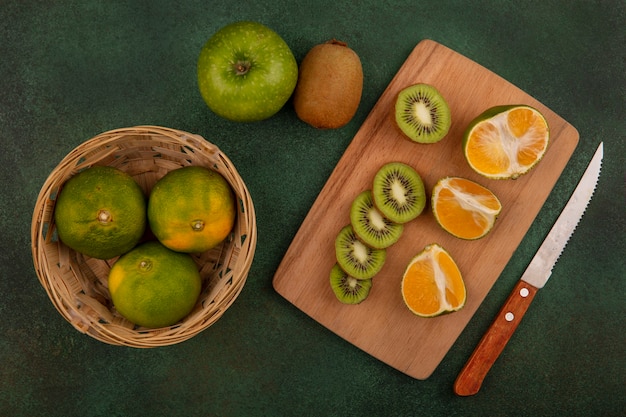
(246,72)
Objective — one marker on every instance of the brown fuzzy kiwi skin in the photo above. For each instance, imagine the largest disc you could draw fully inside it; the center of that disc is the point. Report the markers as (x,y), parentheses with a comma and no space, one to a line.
(330,85)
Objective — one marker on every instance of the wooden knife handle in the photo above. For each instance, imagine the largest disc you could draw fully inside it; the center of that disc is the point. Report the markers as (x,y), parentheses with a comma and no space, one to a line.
(492,344)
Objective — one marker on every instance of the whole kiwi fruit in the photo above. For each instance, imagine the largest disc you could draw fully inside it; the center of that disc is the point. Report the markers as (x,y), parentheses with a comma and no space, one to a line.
(329,87)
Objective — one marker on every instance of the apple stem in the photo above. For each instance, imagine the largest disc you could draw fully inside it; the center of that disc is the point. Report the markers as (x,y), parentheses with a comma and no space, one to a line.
(241,67)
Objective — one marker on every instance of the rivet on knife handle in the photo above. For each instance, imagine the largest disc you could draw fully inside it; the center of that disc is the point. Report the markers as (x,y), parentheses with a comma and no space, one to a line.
(495,339)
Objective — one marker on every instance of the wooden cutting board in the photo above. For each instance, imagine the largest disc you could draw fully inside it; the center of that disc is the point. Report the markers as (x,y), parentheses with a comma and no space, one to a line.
(382,325)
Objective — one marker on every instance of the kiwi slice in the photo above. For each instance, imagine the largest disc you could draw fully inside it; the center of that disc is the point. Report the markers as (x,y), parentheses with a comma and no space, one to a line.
(370,225)
(398,192)
(355,257)
(347,289)
(422,114)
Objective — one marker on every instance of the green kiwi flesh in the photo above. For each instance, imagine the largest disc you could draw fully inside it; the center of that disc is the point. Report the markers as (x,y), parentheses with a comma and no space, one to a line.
(347,289)
(398,192)
(422,114)
(370,225)
(355,257)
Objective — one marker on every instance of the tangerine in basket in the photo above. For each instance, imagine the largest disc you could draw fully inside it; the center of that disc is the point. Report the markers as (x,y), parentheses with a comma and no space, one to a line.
(432,283)
(100,212)
(153,286)
(191,209)
(505,142)
(464,208)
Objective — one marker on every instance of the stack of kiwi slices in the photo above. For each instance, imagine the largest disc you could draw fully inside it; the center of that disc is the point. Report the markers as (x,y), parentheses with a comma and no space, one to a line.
(377,218)
(422,114)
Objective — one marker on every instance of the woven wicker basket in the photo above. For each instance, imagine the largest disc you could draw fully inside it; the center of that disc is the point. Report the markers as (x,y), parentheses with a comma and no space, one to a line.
(77,284)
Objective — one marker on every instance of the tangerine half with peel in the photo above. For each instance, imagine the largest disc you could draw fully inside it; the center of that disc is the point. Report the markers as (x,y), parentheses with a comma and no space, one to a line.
(505,142)
(464,208)
(432,283)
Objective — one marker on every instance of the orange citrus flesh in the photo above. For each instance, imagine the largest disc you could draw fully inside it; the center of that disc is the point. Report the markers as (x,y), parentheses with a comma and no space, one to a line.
(506,141)
(191,209)
(464,208)
(432,283)
(153,286)
(101,212)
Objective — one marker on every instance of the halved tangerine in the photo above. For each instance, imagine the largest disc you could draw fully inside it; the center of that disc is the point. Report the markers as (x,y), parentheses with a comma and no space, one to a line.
(464,208)
(432,283)
(505,142)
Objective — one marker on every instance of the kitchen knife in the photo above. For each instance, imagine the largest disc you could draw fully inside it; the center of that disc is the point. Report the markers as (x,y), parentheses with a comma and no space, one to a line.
(535,277)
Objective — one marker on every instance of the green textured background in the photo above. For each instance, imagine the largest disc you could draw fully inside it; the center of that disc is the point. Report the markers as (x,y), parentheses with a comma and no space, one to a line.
(72,69)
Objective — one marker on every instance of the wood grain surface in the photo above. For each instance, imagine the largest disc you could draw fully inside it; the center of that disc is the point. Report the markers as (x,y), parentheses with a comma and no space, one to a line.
(381,325)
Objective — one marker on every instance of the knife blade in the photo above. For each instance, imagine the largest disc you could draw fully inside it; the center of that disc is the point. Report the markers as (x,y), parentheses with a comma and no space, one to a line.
(535,276)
